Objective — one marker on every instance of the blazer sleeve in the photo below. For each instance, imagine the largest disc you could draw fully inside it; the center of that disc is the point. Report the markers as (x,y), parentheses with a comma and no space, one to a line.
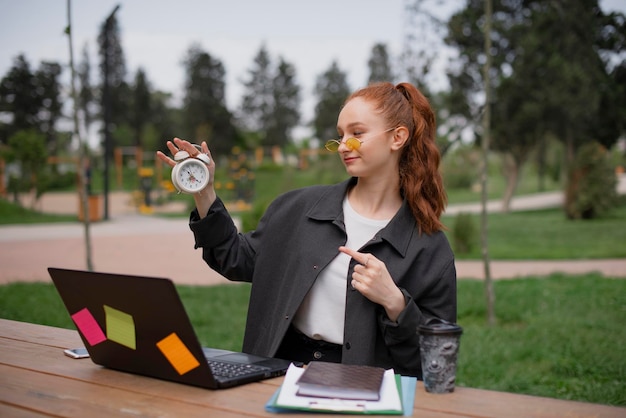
(224,249)
(401,337)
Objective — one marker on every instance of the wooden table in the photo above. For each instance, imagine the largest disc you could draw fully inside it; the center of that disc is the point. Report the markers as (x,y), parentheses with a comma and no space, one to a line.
(37,379)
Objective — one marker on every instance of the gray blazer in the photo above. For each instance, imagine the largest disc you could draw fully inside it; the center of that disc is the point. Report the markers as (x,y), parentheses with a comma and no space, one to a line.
(296,239)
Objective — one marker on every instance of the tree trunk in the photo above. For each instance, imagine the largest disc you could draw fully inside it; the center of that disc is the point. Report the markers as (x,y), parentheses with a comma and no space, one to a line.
(83,189)
(541,163)
(512,173)
(486,123)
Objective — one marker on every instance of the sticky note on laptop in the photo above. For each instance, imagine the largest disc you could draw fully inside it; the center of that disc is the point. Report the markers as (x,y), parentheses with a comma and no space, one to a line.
(120,327)
(177,354)
(88,326)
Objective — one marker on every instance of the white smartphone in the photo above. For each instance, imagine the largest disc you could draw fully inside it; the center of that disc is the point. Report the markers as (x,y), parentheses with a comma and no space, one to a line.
(76,353)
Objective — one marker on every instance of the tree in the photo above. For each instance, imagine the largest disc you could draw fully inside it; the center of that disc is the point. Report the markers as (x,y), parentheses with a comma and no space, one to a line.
(27,148)
(141,107)
(113,70)
(451,123)
(86,97)
(270,105)
(33,100)
(549,72)
(465,34)
(49,93)
(379,66)
(83,160)
(568,90)
(591,189)
(114,89)
(572,70)
(206,117)
(423,31)
(516,133)
(610,45)
(490,294)
(285,113)
(618,74)
(331,89)
(422,46)
(22,108)
(256,105)
(519,125)
(166,122)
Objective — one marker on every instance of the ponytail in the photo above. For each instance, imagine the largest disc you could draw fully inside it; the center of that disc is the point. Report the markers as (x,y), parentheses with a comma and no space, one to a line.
(421,184)
(420,179)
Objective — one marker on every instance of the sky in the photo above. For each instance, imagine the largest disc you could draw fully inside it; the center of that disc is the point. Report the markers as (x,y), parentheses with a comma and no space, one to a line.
(155,35)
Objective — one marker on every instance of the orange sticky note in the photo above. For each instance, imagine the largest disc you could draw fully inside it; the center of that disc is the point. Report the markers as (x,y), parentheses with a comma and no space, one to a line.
(87,325)
(177,354)
(120,327)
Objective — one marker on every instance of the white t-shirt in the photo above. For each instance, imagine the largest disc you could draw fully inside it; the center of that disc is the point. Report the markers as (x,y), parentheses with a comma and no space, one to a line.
(322,313)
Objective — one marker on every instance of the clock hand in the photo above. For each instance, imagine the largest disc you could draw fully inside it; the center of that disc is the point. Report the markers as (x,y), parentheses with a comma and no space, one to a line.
(192,178)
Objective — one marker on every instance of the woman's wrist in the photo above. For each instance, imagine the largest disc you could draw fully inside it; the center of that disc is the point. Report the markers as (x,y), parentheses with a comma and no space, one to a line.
(395,306)
(204,200)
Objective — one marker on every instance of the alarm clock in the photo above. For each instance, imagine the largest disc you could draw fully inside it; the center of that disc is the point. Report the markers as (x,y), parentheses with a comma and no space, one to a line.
(191,174)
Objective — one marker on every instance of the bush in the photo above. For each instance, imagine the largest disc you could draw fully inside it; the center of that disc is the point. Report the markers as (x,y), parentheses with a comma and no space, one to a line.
(463,233)
(460,168)
(62,181)
(250,219)
(591,189)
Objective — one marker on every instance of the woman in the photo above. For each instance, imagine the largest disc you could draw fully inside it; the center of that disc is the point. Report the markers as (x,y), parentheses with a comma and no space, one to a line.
(346,272)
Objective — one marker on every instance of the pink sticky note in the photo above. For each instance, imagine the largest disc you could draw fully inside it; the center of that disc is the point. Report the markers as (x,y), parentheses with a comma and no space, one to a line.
(87,325)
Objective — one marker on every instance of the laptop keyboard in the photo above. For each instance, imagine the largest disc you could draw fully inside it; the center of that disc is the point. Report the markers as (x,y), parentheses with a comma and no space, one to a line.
(223,369)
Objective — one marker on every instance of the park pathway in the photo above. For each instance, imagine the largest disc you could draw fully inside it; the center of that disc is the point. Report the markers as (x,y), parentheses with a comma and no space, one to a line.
(163,247)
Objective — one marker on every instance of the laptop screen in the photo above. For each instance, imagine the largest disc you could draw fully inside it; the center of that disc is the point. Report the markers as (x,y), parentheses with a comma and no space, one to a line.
(135,324)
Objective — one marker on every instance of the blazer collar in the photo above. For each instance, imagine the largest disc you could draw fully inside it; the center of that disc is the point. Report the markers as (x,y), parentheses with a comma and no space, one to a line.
(329,208)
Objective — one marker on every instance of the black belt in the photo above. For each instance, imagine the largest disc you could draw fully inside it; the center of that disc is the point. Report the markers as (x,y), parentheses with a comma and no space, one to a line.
(299,347)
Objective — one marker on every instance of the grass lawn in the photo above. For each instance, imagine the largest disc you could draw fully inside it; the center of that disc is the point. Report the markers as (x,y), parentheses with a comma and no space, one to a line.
(14,214)
(558,336)
(549,235)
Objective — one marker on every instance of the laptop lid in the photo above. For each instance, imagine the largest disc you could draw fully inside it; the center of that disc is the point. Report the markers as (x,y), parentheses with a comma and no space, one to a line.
(139,325)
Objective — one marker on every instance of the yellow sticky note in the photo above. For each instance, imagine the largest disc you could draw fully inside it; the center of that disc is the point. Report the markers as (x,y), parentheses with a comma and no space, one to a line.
(177,354)
(120,327)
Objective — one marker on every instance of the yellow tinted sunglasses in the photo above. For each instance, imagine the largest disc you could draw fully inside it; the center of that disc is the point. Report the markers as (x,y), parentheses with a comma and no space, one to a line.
(351,143)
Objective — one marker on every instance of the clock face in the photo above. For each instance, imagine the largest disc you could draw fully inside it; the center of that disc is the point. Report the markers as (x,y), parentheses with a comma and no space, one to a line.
(190,176)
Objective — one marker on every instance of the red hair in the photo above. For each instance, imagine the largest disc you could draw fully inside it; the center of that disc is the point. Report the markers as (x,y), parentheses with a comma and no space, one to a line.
(420,180)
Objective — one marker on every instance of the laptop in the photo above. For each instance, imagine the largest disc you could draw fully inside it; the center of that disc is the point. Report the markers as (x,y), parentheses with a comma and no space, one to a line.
(139,325)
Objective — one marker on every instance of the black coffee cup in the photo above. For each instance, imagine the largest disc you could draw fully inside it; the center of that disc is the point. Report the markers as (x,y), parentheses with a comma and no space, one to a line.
(439,348)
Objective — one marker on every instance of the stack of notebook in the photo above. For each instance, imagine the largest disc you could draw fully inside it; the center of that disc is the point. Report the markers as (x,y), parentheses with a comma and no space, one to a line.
(345,388)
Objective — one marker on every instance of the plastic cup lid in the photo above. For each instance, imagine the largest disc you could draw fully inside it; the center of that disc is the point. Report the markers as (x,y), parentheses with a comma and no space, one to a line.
(439,326)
